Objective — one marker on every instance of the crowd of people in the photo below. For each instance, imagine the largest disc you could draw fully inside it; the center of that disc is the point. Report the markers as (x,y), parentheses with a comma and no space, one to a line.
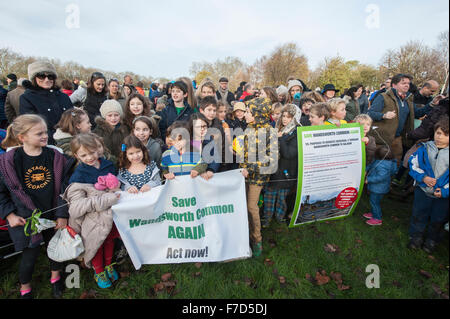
(67,150)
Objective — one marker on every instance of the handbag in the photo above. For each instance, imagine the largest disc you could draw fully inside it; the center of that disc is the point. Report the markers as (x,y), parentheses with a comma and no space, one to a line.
(65,245)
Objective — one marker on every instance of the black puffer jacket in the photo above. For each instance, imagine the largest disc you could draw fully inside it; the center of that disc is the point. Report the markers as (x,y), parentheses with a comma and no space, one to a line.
(288,160)
(426,128)
(50,104)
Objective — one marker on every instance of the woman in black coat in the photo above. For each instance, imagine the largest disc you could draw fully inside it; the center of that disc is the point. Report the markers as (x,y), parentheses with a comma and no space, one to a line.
(95,96)
(44,97)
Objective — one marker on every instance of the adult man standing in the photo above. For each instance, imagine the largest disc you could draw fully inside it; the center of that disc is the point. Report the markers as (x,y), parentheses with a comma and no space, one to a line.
(12,100)
(393,114)
(223,94)
(12,81)
(3,94)
(128,80)
(426,92)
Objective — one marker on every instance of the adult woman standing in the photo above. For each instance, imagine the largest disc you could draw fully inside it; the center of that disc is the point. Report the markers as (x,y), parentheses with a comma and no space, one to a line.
(44,97)
(114,92)
(96,95)
(351,103)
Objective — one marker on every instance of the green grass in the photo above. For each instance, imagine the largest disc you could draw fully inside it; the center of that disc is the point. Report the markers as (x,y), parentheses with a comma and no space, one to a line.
(289,253)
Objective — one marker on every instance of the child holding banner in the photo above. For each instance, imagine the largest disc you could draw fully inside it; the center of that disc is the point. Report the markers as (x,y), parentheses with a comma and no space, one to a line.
(90,207)
(257,170)
(429,168)
(178,160)
(32,177)
(137,172)
(369,141)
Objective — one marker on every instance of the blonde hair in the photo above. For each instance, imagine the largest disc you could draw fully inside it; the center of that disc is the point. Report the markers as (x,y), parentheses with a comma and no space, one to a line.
(363,118)
(276,106)
(334,103)
(86,140)
(20,126)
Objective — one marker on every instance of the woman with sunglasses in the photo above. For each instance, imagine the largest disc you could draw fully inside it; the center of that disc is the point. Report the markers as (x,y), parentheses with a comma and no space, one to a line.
(44,97)
(96,95)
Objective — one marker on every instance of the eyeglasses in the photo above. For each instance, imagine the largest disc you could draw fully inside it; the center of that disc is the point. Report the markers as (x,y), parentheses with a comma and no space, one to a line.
(42,76)
(202,127)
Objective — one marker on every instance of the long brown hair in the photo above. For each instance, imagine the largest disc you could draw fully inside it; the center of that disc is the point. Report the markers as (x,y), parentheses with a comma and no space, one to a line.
(132,141)
(69,121)
(129,116)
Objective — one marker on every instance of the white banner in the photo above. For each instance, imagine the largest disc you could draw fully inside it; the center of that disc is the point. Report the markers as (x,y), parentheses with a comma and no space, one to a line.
(186,220)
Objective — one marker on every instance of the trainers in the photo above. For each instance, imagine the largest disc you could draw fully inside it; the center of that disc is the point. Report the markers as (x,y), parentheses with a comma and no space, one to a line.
(111,272)
(415,243)
(58,289)
(374,222)
(27,295)
(102,280)
(429,246)
(368,215)
(257,249)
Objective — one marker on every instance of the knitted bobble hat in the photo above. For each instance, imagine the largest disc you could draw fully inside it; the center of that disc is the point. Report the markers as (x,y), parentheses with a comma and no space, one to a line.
(111,106)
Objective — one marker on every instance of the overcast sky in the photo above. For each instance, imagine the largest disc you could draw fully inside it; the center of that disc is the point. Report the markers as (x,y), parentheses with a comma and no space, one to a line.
(163,38)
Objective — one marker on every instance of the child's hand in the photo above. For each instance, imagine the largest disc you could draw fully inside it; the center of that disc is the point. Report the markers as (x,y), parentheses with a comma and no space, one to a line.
(145,188)
(207,175)
(15,220)
(194,173)
(366,182)
(280,134)
(244,173)
(429,181)
(437,193)
(169,176)
(133,190)
(61,223)
(365,140)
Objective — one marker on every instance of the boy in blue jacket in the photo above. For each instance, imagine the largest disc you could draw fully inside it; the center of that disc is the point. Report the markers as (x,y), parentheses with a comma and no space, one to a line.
(429,168)
(379,174)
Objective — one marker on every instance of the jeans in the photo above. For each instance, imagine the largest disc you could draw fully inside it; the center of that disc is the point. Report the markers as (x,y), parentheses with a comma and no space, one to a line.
(375,204)
(428,211)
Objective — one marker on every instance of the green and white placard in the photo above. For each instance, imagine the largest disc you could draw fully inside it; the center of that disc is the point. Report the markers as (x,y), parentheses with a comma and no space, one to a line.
(331,167)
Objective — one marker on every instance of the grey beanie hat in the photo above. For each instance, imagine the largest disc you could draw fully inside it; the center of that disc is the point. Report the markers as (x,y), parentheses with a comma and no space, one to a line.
(282,90)
(40,66)
(111,106)
(293,83)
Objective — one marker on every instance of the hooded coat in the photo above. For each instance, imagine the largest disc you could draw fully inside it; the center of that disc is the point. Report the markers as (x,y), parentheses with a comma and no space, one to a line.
(112,136)
(288,155)
(50,104)
(260,157)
